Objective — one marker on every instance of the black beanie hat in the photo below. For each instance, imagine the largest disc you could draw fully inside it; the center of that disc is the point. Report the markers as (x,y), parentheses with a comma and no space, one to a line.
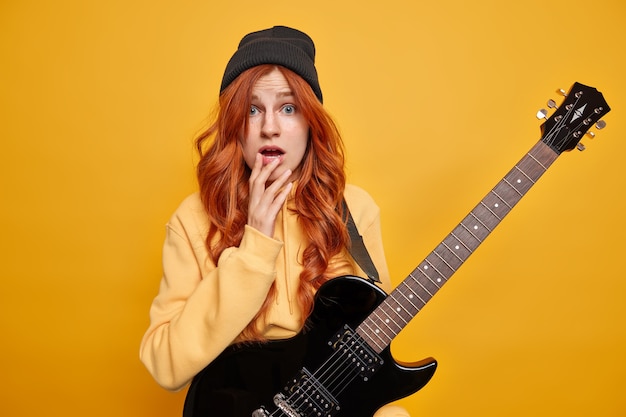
(279,45)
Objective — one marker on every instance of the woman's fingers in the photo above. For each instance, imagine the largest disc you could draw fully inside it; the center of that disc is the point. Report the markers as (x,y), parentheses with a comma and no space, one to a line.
(266,202)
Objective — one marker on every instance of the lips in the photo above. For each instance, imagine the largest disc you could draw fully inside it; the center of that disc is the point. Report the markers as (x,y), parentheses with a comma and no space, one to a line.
(270,153)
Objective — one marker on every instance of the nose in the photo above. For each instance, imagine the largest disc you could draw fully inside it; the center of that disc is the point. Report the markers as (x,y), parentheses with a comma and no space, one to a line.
(271,125)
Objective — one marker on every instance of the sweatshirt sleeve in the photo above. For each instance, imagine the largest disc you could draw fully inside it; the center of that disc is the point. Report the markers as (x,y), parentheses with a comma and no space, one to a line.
(201,308)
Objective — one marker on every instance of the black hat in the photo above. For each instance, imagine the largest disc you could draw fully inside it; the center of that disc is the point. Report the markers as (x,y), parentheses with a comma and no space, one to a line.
(279,45)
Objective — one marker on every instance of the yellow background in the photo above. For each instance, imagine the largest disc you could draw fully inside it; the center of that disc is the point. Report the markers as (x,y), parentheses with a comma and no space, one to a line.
(99,102)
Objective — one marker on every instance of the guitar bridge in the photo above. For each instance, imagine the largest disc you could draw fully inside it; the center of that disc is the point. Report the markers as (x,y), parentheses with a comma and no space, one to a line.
(306,396)
(357,354)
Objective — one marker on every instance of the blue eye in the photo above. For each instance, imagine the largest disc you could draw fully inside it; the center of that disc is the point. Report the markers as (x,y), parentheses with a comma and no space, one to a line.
(254,110)
(289,109)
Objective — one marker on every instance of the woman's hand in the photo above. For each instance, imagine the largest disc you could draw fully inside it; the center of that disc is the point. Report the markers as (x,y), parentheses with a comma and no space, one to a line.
(266,201)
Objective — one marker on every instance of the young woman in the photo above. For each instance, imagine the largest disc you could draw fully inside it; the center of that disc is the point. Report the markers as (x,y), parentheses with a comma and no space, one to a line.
(244,257)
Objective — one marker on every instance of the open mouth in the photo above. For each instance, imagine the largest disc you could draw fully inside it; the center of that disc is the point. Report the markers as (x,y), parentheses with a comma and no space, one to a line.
(270,154)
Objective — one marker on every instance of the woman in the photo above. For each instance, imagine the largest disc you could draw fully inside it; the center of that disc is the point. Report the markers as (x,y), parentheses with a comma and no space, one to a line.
(244,257)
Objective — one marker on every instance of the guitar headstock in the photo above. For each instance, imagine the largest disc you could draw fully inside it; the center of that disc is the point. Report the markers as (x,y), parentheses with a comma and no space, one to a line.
(583,106)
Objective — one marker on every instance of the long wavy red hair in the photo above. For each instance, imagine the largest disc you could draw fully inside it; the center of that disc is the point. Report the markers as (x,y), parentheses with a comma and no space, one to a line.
(223,180)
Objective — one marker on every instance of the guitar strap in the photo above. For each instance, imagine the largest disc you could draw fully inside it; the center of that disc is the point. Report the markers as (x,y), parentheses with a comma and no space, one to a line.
(357,247)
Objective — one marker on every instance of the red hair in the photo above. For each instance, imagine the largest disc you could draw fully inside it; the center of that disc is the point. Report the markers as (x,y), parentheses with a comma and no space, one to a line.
(318,195)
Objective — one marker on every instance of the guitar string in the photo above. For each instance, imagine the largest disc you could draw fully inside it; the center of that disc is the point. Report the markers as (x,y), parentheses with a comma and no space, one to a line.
(339,377)
(561,123)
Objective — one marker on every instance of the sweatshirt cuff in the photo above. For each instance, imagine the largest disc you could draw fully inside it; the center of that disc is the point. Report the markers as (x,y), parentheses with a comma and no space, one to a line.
(262,248)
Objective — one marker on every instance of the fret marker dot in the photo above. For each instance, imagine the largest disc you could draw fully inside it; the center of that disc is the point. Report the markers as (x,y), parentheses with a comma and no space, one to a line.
(411,296)
(377,331)
(438,279)
(456,247)
(496,205)
(475,227)
(425,266)
(398,309)
(387,321)
(519,181)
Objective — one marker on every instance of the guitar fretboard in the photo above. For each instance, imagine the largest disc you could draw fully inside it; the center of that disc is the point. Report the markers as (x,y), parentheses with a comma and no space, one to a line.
(403,303)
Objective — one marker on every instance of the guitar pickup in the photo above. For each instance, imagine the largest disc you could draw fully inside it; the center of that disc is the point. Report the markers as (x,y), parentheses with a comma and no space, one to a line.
(355,353)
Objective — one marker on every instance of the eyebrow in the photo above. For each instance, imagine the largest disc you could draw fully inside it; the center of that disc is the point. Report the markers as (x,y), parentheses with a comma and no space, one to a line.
(280,94)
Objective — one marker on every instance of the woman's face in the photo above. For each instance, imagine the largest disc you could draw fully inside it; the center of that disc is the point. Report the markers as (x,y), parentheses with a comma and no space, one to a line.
(277,129)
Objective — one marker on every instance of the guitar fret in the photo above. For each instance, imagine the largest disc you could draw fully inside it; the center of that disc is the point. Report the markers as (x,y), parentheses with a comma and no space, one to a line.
(496,205)
(451,251)
(482,203)
(520,185)
(501,199)
(512,187)
(486,218)
(369,334)
(409,298)
(432,265)
(375,330)
(386,323)
(399,310)
(452,269)
(392,315)
(462,243)
(413,294)
(467,229)
(508,193)
(480,221)
(420,284)
(424,301)
(429,284)
(530,154)
(469,240)
(532,168)
(524,174)
(451,259)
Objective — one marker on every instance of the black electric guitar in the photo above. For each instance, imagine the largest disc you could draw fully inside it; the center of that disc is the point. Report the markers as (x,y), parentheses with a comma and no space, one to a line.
(340,364)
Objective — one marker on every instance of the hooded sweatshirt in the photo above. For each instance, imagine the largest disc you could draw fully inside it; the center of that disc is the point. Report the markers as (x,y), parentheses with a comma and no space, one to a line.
(201,307)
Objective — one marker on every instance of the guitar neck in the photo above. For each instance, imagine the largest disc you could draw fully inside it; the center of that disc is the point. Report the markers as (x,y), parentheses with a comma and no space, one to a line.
(403,303)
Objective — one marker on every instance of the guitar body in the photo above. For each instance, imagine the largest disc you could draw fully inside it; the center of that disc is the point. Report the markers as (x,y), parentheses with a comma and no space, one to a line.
(247,376)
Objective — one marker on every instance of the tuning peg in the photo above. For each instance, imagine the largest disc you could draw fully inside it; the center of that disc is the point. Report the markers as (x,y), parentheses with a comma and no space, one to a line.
(600,124)
(580,146)
(562,92)
(541,114)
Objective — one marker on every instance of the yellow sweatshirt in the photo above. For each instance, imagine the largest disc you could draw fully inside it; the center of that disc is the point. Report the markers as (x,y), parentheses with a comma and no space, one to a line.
(201,308)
